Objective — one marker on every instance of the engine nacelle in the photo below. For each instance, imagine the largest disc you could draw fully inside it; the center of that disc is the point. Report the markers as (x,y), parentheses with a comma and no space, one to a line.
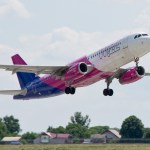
(132,75)
(76,71)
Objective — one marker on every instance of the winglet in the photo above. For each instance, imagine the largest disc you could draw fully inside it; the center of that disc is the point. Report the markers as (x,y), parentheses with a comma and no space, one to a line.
(18,60)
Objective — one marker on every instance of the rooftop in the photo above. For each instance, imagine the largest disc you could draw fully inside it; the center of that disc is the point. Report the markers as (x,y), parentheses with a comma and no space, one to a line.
(10,139)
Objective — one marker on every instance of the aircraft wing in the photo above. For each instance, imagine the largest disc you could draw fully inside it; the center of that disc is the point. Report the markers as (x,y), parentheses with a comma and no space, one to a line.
(118,73)
(55,70)
(14,92)
(147,74)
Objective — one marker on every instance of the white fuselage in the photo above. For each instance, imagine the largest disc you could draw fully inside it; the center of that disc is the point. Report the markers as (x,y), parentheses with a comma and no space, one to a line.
(117,54)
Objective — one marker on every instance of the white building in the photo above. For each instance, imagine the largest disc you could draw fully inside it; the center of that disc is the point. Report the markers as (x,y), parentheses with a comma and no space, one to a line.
(11,140)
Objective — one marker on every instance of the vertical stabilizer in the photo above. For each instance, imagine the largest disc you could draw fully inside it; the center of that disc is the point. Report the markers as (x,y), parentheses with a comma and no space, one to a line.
(23,77)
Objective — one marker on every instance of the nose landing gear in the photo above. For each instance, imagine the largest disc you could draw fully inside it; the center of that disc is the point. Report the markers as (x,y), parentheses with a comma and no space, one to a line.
(136,60)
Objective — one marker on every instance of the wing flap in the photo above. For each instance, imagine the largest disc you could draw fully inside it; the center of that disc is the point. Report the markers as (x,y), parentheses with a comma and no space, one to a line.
(13,92)
(56,70)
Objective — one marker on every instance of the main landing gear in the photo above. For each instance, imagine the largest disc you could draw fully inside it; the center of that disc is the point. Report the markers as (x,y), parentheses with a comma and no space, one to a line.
(70,90)
(108,91)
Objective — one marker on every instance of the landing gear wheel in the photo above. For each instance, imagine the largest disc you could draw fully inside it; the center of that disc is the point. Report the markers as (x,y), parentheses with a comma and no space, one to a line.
(136,59)
(70,90)
(67,90)
(107,92)
(111,92)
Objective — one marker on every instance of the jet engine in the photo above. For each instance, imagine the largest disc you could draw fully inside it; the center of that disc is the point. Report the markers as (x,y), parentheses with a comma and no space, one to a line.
(132,75)
(76,71)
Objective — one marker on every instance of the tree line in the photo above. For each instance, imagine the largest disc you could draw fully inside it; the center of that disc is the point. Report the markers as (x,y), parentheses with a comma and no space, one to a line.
(78,127)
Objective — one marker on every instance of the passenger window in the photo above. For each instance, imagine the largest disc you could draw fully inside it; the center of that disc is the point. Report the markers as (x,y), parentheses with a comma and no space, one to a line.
(139,35)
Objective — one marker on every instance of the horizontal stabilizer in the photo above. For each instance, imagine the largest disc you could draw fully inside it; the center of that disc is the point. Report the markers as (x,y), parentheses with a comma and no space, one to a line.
(14,92)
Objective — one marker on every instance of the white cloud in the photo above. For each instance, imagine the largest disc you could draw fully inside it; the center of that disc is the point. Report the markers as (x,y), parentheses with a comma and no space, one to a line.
(4,9)
(66,44)
(143,19)
(5,51)
(58,47)
(131,2)
(17,6)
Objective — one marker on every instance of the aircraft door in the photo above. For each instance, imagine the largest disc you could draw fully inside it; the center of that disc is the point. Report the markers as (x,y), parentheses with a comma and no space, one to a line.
(125,43)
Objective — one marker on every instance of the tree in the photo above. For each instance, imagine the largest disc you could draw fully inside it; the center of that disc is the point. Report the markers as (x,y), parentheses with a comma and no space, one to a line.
(147,133)
(77,130)
(132,127)
(59,129)
(29,137)
(3,129)
(81,120)
(50,129)
(78,127)
(12,125)
(98,129)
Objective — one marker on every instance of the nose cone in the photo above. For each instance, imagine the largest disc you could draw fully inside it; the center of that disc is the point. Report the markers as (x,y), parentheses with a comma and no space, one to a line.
(140,45)
(145,42)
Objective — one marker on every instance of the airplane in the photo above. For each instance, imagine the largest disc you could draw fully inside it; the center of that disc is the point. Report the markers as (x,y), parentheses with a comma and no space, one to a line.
(104,64)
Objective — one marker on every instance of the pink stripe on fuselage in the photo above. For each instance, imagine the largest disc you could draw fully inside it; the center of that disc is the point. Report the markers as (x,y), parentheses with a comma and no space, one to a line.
(88,79)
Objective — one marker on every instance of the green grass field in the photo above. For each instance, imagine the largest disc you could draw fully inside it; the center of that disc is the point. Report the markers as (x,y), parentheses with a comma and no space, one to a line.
(78,147)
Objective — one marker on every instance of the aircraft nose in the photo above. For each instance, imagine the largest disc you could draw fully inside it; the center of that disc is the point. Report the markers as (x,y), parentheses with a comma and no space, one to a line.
(146,42)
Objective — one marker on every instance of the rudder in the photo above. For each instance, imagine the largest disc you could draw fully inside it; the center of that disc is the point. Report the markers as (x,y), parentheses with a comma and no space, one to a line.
(23,77)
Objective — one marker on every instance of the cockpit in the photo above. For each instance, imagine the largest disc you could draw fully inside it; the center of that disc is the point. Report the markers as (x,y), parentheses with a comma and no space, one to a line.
(140,35)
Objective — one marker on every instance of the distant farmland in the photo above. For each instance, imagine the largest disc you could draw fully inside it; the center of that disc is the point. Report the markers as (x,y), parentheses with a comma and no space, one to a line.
(78,147)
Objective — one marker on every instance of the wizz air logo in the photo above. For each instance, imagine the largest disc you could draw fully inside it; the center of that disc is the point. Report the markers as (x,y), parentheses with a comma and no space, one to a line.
(108,51)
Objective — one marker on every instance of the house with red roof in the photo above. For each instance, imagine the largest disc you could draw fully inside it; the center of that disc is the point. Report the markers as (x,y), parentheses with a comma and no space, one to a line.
(53,138)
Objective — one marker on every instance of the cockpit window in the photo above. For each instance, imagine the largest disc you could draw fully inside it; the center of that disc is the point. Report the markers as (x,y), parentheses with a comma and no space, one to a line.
(139,35)
(135,37)
(144,34)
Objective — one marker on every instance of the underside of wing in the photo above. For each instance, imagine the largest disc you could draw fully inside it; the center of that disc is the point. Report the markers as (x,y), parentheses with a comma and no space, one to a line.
(116,74)
(13,92)
(55,70)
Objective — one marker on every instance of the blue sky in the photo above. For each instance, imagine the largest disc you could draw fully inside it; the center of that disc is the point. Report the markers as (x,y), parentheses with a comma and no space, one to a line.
(56,32)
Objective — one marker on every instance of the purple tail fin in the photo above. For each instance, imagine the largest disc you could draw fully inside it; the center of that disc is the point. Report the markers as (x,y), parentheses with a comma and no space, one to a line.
(23,77)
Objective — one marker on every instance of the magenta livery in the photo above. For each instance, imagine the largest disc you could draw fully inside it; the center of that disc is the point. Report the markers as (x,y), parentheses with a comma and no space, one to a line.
(104,64)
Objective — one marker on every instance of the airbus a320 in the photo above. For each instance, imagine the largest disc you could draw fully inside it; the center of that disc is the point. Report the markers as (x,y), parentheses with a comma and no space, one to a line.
(104,64)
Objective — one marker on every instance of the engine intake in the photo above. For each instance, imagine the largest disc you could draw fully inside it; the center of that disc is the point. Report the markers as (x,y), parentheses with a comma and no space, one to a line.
(132,75)
(77,70)
(140,70)
(83,68)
